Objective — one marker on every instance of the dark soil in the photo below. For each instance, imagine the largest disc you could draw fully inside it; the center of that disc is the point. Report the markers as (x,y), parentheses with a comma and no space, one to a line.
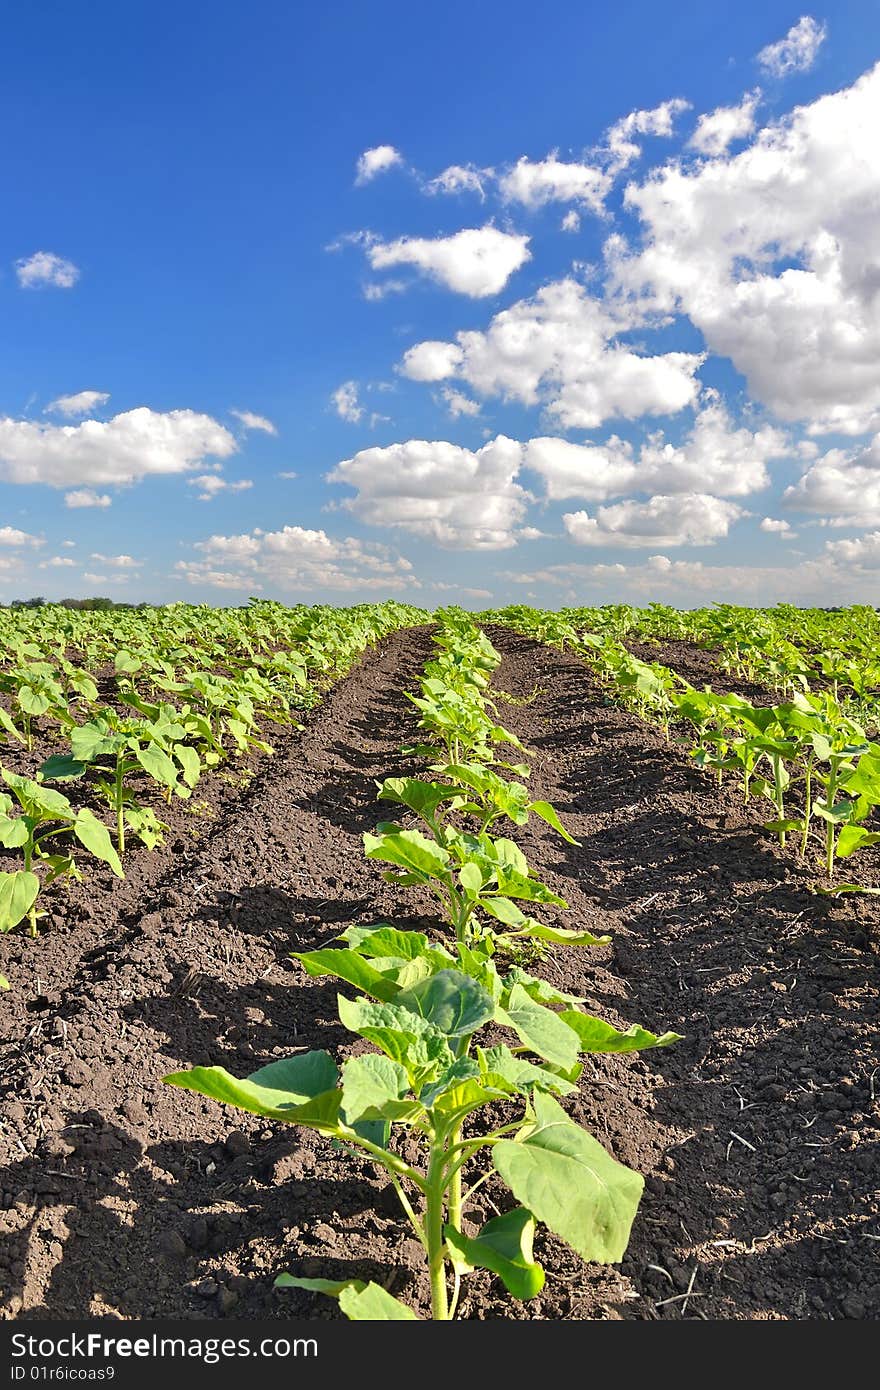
(758,1134)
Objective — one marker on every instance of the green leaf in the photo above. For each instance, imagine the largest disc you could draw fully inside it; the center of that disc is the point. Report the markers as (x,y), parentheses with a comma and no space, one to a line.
(595,1035)
(453,1002)
(373,1088)
(471,879)
(853,837)
(388,941)
(94,834)
(567,1180)
(372,1303)
(421,797)
(13,832)
(38,801)
(278,1091)
(833,890)
(18,893)
(349,966)
(190,763)
(61,767)
(158,765)
(500,1064)
(504,1246)
(548,814)
(561,936)
(539,1029)
(409,849)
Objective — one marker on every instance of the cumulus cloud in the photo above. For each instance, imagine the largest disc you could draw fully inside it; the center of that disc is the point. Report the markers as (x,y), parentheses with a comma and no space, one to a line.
(458,498)
(689,519)
(842,486)
(120,450)
(534,183)
(57,562)
(558,349)
(571,222)
(79,404)
(44,269)
(863,553)
(772,253)
(295,559)
(346,404)
(718,129)
(117,562)
(776,526)
(210,484)
(460,178)
(476,262)
(623,145)
(9,535)
(376,161)
(250,421)
(797,51)
(86,497)
(714,454)
(458,404)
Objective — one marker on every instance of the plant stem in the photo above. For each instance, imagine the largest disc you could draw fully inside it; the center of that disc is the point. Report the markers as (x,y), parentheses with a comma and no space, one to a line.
(808,805)
(120,819)
(434,1233)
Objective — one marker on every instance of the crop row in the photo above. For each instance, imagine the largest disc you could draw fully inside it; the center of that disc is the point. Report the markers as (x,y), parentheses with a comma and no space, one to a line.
(439,1083)
(808,755)
(145,702)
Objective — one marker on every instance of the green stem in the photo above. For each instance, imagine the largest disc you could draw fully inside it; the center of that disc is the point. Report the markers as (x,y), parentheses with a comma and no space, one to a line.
(120,819)
(434,1233)
(808,805)
(829,825)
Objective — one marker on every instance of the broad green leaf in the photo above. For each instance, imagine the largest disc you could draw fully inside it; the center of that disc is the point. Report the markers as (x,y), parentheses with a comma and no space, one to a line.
(500,1064)
(372,1303)
(13,831)
(387,941)
(539,989)
(561,936)
(539,1029)
(516,885)
(410,850)
(190,763)
(471,879)
(595,1035)
(421,797)
(463,1069)
(94,834)
(37,800)
(278,1091)
(18,893)
(548,814)
(349,966)
(853,837)
(61,767)
(504,1246)
(567,1180)
(157,764)
(373,1088)
(331,1287)
(833,890)
(453,1002)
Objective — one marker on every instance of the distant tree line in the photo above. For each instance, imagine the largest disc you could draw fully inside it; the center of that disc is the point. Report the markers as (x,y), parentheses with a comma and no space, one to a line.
(102,605)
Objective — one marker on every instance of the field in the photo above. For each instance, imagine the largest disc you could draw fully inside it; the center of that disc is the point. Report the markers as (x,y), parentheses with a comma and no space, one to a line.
(727,847)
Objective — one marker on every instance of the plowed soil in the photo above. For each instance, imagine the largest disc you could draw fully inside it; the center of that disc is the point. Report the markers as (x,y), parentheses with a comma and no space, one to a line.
(758,1133)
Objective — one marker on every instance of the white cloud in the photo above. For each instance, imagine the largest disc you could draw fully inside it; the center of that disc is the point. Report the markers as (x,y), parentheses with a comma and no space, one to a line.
(797,51)
(121,450)
(376,290)
(460,178)
(458,404)
(454,496)
(79,404)
(69,544)
(9,535)
(346,404)
(57,562)
(295,559)
(659,121)
(288,474)
(254,422)
(85,497)
(863,553)
(117,562)
(772,253)
(775,526)
(45,268)
(103,578)
(534,183)
(558,349)
(378,160)
(689,519)
(714,455)
(571,222)
(476,262)
(210,484)
(842,486)
(718,129)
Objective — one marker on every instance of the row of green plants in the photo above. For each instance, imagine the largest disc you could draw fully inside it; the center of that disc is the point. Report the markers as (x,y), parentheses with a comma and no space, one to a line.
(472,1055)
(807,755)
(141,704)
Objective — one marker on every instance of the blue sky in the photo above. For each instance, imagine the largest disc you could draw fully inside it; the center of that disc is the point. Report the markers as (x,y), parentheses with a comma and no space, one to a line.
(577,310)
